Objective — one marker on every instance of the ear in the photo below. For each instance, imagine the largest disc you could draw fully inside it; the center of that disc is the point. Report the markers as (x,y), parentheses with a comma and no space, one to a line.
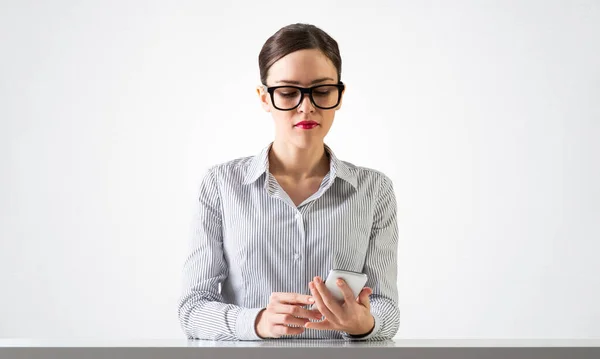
(264,98)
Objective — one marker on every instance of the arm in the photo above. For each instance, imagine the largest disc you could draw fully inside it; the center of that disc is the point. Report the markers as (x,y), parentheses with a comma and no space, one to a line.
(202,312)
(381,266)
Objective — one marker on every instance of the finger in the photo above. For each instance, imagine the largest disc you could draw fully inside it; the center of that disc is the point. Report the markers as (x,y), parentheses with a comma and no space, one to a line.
(319,301)
(330,302)
(287,319)
(346,291)
(316,313)
(296,311)
(363,297)
(285,330)
(324,325)
(291,298)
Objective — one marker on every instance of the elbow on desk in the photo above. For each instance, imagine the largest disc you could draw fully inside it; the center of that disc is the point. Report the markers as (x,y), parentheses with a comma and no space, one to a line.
(199,319)
(390,325)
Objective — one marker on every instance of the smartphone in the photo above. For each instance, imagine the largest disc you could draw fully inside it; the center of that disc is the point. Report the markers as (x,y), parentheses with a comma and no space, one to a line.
(355,280)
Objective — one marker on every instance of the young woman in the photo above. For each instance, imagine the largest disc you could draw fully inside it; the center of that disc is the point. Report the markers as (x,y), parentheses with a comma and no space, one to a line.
(271,226)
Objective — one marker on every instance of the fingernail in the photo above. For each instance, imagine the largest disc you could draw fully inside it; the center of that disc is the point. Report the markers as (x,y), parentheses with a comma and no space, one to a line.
(339,282)
(311,300)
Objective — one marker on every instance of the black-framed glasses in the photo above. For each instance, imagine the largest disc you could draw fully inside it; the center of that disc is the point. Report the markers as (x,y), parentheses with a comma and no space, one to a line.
(287,97)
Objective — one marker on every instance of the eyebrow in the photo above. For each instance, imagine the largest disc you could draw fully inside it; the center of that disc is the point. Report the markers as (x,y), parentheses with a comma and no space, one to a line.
(312,82)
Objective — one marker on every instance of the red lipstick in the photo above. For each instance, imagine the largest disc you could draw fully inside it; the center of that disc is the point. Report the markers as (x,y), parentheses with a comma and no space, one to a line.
(306,125)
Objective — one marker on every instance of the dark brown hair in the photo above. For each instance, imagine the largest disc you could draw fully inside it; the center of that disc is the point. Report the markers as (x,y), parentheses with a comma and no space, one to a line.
(296,37)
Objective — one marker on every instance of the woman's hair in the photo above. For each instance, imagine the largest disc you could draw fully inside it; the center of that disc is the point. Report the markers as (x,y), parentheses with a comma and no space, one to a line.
(296,37)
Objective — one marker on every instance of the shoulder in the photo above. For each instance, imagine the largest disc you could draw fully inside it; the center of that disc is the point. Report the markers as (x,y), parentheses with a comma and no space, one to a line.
(370,182)
(368,175)
(234,166)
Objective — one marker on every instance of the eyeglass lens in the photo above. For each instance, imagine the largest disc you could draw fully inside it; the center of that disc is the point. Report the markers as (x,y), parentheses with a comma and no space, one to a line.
(289,97)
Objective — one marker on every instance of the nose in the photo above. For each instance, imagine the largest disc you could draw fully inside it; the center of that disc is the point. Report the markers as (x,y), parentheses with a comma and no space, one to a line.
(306,104)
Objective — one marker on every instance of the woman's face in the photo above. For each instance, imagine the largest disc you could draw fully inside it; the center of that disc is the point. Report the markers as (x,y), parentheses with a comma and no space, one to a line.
(303,68)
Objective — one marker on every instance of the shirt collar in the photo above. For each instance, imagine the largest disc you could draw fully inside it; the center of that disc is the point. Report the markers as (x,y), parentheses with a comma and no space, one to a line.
(259,164)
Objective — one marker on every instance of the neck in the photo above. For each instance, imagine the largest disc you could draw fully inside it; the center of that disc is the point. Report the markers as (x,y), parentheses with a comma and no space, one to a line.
(296,163)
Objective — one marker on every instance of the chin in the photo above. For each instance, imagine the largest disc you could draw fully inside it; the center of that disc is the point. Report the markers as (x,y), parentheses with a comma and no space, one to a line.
(307,141)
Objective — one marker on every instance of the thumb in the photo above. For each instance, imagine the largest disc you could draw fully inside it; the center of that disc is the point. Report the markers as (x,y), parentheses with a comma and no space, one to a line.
(363,297)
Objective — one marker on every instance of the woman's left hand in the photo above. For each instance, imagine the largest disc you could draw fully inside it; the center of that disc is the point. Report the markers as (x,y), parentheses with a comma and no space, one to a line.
(352,316)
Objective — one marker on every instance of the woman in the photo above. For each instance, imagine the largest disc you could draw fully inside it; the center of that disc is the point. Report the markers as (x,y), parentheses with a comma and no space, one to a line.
(271,226)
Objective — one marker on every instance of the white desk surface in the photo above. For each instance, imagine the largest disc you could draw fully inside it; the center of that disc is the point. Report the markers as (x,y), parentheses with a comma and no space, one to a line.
(418,343)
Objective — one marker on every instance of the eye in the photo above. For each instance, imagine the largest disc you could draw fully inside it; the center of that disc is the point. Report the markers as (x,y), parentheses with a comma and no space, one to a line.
(287,92)
(321,92)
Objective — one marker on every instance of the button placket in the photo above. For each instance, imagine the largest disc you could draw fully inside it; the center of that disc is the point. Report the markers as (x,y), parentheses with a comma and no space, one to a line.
(300,222)
(299,255)
(300,252)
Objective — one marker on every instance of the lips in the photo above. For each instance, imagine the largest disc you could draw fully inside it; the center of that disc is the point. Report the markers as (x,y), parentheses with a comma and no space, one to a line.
(306,125)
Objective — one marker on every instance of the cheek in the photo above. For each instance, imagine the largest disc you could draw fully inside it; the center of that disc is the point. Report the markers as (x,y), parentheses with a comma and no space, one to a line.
(283,119)
(327,120)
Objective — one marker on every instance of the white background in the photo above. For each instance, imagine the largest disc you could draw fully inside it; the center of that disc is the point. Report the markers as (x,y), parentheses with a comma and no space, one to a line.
(485,114)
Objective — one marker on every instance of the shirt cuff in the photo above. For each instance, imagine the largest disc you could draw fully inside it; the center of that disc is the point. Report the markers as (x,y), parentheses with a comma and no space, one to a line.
(245,324)
(373,332)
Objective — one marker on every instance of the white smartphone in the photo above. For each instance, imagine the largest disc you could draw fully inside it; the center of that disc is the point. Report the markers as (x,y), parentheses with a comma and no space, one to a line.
(355,280)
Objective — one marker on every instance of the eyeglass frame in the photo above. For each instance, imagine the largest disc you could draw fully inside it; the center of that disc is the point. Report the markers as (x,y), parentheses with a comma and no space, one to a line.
(306,90)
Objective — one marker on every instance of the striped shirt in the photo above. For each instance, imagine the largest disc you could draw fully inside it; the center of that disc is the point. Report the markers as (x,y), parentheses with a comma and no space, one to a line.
(250,240)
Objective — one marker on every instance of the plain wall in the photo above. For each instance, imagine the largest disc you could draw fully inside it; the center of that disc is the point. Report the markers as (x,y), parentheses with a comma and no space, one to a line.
(485,114)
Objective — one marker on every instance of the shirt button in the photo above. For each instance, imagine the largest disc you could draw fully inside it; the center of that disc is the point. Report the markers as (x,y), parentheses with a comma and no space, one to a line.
(296,256)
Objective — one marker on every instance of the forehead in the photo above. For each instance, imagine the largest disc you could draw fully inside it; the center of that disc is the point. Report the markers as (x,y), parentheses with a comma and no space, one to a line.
(303,66)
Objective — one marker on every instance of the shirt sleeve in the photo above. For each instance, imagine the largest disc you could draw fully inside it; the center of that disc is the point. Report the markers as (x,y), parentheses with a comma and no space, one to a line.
(202,311)
(381,266)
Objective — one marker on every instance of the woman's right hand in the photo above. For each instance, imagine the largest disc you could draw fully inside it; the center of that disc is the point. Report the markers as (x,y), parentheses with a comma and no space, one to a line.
(285,309)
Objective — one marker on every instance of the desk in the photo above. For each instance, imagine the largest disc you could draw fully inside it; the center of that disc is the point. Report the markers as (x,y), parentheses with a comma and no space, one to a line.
(305,349)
